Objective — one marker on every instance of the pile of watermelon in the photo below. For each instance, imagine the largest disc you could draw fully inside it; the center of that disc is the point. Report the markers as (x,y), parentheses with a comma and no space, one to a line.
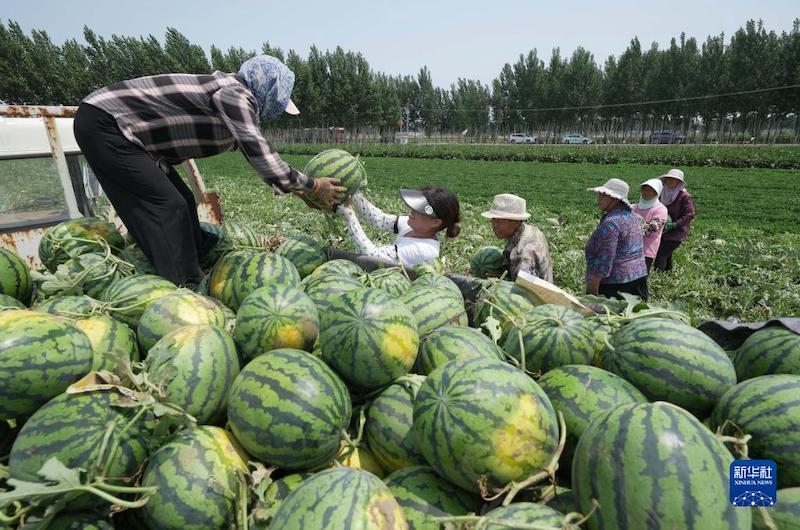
(292,392)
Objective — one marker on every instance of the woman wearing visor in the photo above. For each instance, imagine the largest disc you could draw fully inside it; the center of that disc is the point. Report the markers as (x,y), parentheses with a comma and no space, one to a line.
(432,210)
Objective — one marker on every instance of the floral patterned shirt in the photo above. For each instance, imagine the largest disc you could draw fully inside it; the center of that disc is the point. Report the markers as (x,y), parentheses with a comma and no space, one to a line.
(615,250)
(527,250)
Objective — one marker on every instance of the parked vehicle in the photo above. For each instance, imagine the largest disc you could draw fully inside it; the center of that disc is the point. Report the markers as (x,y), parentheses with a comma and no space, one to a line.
(667,137)
(521,138)
(576,139)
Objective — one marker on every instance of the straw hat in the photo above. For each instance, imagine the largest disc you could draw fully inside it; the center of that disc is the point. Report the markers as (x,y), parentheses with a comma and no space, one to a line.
(507,206)
(615,188)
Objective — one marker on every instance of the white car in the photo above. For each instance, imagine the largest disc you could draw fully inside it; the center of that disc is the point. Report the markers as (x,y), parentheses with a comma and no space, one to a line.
(521,138)
(576,139)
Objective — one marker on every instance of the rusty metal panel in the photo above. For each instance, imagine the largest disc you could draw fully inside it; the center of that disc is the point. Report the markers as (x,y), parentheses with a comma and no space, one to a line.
(24,243)
(30,111)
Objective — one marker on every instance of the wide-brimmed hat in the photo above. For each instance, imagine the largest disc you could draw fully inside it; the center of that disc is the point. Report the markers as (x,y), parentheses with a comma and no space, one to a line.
(507,206)
(656,184)
(418,202)
(615,188)
(674,174)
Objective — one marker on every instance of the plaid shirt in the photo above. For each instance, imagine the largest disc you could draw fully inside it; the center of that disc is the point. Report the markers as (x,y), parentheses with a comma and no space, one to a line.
(175,117)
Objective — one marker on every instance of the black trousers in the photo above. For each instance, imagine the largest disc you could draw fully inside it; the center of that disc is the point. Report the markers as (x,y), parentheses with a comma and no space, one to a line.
(663,260)
(158,209)
(637,287)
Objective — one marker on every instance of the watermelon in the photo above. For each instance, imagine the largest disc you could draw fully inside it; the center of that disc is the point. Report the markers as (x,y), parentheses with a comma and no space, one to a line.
(304,252)
(454,342)
(479,419)
(251,273)
(129,297)
(339,266)
(653,465)
(523,513)
(8,302)
(488,262)
(197,365)
(391,280)
(437,281)
(41,356)
(511,300)
(69,306)
(232,236)
(771,350)
(768,408)
(276,316)
(340,498)
(389,424)
(287,408)
(15,277)
(71,427)
(75,237)
(196,476)
(110,339)
(93,272)
(582,393)
(220,280)
(369,338)
(671,361)
(423,496)
(136,257)
(564,500)
(785,514)
(435,308)
(551,336)
(173,311)
(80,521)
(325,288)
(338,164)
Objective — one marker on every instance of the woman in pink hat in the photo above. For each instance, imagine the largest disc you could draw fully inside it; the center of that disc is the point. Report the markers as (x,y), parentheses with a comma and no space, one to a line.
(654,217)
(680,207)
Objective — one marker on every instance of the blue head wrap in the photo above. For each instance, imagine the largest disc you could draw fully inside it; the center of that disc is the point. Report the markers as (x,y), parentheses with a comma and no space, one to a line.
(271,82)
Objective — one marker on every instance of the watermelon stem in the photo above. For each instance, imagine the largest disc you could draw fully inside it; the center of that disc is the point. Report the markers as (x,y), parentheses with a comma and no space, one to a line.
(739,442)
(115,447)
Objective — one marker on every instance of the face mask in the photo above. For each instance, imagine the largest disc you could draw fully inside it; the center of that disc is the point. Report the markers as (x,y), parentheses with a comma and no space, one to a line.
(646,205)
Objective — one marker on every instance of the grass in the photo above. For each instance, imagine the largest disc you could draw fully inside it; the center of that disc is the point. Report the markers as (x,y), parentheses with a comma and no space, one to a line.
(742,259)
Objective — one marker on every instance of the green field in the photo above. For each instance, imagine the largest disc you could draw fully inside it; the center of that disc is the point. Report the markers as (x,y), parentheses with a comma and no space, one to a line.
(742,260)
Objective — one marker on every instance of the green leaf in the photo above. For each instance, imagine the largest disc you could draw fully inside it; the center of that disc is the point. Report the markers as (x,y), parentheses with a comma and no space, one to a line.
(54,471)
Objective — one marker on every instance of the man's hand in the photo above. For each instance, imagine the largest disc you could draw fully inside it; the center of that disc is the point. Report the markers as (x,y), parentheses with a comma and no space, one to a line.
(328,192)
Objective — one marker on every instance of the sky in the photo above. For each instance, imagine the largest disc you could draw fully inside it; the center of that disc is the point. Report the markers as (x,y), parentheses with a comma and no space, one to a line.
(470,39)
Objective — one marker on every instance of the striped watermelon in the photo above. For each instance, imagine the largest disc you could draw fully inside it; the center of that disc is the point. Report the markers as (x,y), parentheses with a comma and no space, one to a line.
(304,252)
(481,419)
(352,500)
(196,476)
(389,424)
(454,342)
(391,280)
(288,409)
(564,499)
(197,364)
(220,280)
(71,427)
(75,237)
(768,408)
(94,272)
(41,355)
(551,336)
(424,495)
(325,288)
(276,316)
(488,262)
(653,465)
(135,256)
(69,306)
(173,311)
(15,277)
(80,521)
(435,308)
(130,296)
(671,361)
(338,164)
(772,350)
(437,281)
(582,393)
(253,272)
(523,513)
(785,514)
(233,236)
(369,338)
(511,300)
(8,302)
(110,339)
(339,266)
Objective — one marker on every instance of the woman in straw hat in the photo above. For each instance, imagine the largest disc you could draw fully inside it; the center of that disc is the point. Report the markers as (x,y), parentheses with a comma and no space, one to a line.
(680,206)
(615,251)
(526,246)
(654,217)
(417,241)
